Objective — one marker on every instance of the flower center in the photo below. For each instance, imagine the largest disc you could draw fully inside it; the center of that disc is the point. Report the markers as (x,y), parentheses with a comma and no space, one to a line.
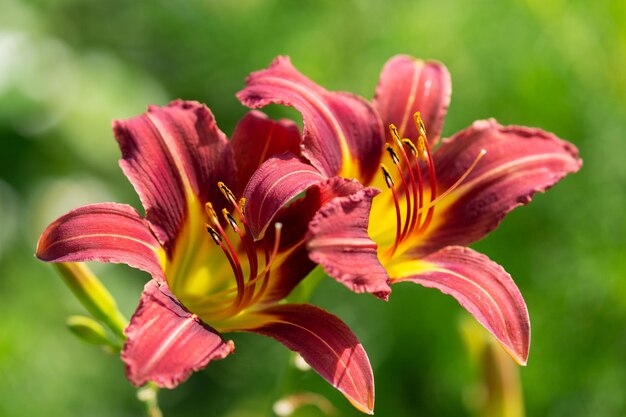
(244,280)
(417,186)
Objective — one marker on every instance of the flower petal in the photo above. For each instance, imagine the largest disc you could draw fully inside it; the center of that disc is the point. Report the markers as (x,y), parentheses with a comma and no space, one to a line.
(166,343)
(273,185)
(408,85)
(338,240)
(481,286)
(342,133)
(519,162)
(257,137)
(174,155)
(326,344)
(107,232)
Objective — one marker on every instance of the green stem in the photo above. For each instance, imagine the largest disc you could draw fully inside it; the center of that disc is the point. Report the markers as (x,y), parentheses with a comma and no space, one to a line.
(148,395)
(93,295)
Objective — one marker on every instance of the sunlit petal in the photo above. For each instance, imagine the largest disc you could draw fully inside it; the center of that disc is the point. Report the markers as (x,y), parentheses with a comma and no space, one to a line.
(408,85)
(106,232)
(273,185)
(257,137)
(174,155)
(166,343)
(342,133)
(338,240)
(519,162)
(481,286)
(326,344)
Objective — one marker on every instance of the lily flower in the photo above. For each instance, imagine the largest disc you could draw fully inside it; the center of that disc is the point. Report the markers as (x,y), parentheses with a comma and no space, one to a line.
(433,203)
(209,276)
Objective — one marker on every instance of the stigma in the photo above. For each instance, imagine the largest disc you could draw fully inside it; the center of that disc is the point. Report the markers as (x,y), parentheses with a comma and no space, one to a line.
(416,185)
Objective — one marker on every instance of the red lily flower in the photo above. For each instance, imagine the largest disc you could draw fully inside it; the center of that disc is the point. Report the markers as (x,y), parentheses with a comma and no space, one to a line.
(435,203)
(209,275)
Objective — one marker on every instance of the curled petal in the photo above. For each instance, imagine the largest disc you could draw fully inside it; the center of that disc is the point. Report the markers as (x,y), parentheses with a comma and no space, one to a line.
(408,85)
(338,240)
(107,232)
(166,343)
(273,185)
(325,343)
(481,286)
(519,162)
(256,138)
(342,133)
(174,155)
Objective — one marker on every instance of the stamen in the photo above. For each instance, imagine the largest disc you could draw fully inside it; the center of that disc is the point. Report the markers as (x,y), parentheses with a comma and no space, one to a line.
(270,257)
(421,149)
(418,190)
(409,189)
(232,222)
(392,153)
(410,145)
(216,237)
(242,205)
(227,193)
(396,203)
(387,176)
(219,237)
(420,123)
(247,239)
(228,249)
(210,211)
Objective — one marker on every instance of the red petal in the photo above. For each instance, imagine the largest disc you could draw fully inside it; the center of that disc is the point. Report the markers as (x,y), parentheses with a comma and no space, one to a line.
(326,344)
(166,343)
(106,232)
(483,288)
(408,85)
(338,240)
(273,185)
(339,128)
(256,138)
(172,154)
(520,161)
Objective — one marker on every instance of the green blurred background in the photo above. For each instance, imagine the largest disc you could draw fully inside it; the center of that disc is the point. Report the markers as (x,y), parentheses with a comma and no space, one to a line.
(68,67)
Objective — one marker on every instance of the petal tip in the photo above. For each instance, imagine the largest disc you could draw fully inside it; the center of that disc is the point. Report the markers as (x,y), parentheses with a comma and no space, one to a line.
(366,407)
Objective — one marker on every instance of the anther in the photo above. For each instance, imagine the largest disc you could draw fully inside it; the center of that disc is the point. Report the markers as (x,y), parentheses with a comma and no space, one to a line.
(231,220)
(392,153)
(216,237)
(242,205)
(410,145)
(227,193)
(420,123)
(421,148)
(387,176)
(208,208)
